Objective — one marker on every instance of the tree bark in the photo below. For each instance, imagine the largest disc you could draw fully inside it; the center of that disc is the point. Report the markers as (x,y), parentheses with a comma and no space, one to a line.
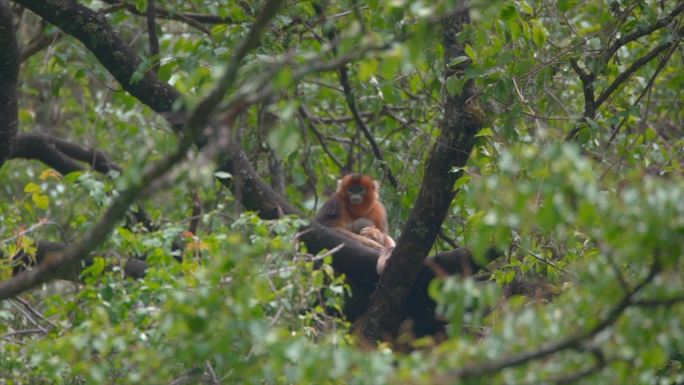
(10,57)
(60,154)
(354,260)
(92,29)
(462,120)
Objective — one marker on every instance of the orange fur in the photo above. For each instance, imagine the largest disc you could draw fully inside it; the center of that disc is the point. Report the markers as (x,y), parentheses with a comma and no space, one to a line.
(356,198)
(355,208)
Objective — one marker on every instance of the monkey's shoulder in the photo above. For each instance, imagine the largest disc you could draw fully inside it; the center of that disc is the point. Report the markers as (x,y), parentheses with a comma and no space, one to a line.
(331,212)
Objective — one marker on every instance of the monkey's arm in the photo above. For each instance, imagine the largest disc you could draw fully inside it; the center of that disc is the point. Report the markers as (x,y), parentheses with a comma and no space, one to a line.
(331,215)
(370,242)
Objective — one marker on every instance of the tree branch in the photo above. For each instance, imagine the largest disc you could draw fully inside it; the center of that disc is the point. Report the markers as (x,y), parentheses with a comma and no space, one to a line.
(59,154)
(591,102)
(572,378)
(643,31)
(587,80)
(38,43)
(95,32)
(196,122)
(624,76)
(173,15)
(61,263)
(656,302)
(646,89)
(571,341)
(350,98)
(304,113)
(462,120)
(351,102)
(587,88)
(152,35)
(357,262)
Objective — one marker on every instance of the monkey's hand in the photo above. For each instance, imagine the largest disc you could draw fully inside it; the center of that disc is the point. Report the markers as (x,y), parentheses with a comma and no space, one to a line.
(385,240)
(375,234)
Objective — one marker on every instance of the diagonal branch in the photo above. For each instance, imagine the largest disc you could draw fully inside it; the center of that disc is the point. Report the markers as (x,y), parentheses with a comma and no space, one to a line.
(350,98)
(353,107)
(191,132)
(38,43)
(645,91)
(569,342)
(61,262)
(95,32)
(462,121)
(173,15)
(656,302)
(304,114)
(643,31)
(642,61)
(591,102)
(257,195)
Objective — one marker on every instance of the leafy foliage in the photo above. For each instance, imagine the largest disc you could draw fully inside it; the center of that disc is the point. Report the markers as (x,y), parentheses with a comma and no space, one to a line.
(585,204)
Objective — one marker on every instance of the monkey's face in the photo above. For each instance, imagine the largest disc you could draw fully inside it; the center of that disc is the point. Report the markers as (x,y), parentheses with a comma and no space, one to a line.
(356,194)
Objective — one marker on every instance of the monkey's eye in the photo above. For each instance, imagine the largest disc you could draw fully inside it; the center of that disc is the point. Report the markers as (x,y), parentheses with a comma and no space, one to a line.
(354,190)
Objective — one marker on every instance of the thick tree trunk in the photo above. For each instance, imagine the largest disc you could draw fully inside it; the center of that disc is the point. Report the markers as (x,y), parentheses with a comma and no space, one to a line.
(462,120)
(9,73)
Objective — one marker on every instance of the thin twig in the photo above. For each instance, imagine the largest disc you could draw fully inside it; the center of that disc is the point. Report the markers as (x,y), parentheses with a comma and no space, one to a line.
(152,36)
(304,113)
(194,125)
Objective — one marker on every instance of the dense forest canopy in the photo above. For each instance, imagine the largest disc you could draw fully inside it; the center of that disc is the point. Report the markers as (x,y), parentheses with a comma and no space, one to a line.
(162,162)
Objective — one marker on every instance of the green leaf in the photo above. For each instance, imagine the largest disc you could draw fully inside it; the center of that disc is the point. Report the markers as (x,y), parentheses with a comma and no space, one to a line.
(566,5)
(526,7)
(57,85)
(367,69)
(26,115)
(29,207)
(137,75)
(284,140)
(514,29)
(461,59)
(455,85)
(40,200)
(487,131)
(141,5)
(283,78)
(538,34)
(31,188)
(508,12)
(470,52)
(462,181)
(165,71)
(95,269)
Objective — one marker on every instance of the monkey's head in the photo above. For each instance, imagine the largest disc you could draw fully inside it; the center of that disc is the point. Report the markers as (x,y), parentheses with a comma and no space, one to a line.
(358,189)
